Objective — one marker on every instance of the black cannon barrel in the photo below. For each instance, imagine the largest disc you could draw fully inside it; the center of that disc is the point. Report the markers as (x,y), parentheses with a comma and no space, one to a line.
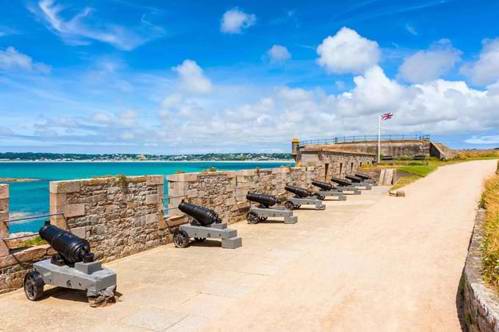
(69,246)
(364,176)
(299,192)
(341,182)
(323,185)
(354,178)
(201,214)
(263,199)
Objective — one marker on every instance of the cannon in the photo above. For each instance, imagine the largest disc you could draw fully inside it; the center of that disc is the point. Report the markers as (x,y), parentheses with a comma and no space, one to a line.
(301,197)
(201,215)
(346,186)
(205,223)
(358,182)
(73,266)
(328,189)
(366,177)
(263,210)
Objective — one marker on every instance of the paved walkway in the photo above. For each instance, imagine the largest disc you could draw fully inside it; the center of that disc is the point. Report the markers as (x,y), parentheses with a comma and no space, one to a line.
(372,263)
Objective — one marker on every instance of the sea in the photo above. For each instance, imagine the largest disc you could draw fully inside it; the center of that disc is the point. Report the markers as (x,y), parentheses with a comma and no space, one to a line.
(31,199)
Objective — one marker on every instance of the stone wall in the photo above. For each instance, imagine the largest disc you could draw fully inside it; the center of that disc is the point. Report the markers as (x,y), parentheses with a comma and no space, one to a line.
(405,148)
(336,163)
(225,192)
(119,216)
(480,303)
(14,263)
(4,218)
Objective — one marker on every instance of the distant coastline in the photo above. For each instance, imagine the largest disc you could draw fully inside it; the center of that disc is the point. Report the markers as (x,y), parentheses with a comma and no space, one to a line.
(149,161)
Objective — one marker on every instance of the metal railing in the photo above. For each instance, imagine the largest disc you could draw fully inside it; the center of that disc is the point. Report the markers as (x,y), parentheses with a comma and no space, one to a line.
(23,219)
(365,138)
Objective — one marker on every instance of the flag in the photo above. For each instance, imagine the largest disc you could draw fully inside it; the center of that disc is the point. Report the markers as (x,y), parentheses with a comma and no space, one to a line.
(387,116)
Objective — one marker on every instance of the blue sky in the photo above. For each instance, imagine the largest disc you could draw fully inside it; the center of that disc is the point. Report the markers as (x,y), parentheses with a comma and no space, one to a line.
(225,76)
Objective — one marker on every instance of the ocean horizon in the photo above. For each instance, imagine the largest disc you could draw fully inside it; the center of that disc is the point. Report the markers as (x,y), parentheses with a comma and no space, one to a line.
(29,199)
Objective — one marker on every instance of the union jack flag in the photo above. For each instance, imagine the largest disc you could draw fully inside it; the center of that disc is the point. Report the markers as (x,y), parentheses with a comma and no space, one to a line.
(386,116)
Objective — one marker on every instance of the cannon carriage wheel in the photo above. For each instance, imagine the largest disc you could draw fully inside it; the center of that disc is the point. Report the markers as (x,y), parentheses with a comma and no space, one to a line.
(289,205)
(319,196)
(252,218)
(180,239)
(33,285)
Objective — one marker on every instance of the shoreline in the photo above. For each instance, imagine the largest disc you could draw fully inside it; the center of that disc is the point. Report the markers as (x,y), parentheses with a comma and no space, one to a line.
(143,161)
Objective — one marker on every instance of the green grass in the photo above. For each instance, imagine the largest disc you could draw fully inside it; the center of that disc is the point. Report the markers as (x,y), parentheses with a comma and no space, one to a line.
(36,241)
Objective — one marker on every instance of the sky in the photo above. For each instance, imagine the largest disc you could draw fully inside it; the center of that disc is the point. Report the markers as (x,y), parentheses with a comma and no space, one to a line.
(175,77)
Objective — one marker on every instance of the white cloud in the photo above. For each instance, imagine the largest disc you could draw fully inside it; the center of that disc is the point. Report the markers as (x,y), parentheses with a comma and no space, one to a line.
(75,31)
(235,21)
(483,140)
(486,69)
(192,78)
(347,52)
(278,54)
(429,64)
(11,59)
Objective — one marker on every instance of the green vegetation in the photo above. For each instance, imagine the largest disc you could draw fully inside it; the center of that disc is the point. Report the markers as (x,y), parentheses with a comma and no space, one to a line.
(490,245)
(33,242)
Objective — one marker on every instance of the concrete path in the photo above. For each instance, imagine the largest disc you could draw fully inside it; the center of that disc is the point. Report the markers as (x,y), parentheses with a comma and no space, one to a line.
(372,263)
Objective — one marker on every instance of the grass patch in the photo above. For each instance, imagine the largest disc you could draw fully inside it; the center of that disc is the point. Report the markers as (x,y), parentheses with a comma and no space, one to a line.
(36,241)
(490,244)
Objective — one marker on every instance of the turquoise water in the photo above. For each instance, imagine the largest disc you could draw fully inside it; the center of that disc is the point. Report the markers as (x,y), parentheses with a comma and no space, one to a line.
(32,198)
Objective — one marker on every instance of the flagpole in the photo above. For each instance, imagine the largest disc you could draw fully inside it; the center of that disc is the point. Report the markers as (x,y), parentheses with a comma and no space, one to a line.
(379,138)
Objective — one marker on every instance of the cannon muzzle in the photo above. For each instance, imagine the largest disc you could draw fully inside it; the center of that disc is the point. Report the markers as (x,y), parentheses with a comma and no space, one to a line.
(323,185)
(263,199)
(299,192)
(202,215)
(70,247)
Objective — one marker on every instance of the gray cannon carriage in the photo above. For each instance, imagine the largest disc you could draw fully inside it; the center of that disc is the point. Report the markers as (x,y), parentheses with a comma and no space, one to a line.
(266,209)
(303,197)
(366,178)
(358,182)
(346,186)
(328,190)
(205,224)
(73,267)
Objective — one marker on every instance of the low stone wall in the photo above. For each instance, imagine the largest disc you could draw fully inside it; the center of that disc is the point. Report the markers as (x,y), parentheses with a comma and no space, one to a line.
(4,218)
(225,192)
(480,303)
(336,163)
(119,216)
(14,266)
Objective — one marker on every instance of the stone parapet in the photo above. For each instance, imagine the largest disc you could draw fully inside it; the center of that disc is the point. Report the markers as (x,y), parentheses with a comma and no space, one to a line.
(119,216)
(4,218)
(480,302)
